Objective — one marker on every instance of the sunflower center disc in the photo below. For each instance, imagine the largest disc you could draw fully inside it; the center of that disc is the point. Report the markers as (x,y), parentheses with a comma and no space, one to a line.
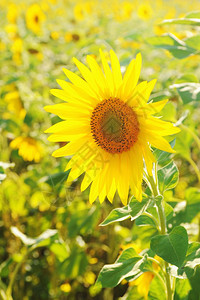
(114,125)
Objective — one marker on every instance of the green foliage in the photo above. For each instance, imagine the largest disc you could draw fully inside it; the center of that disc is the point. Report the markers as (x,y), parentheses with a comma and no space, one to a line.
(188,91)
(168,177)
(171,247)
(128,265)
(132,210)
(175,46)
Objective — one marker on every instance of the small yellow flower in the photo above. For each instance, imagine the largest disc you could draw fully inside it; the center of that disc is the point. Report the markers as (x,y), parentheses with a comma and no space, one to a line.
(65,287)
(145,11)
(110,126)
(89,278)
(11,30)
(68,37)
(79,12)
(17,48)
(55,35)
(12,13)
(15,104)
(29,148)
(34,18)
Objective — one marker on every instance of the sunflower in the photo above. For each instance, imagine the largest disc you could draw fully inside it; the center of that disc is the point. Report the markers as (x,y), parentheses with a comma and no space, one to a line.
(109,127)
(34,18)
(28,147)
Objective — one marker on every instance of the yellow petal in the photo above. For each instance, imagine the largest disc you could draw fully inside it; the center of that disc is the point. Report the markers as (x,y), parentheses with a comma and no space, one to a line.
(108,73)
(160,143)
(79,82)
(75,94)
(66,110)
(72,147)
(88,76)
(94,190)
(156,107)
(116,71)
(131,81)
(68,127)
(98,76)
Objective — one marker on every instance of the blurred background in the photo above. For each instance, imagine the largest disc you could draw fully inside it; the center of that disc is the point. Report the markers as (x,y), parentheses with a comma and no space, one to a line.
(38,39)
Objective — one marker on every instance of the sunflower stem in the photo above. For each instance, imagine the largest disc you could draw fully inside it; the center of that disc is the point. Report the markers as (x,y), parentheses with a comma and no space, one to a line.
(163,230)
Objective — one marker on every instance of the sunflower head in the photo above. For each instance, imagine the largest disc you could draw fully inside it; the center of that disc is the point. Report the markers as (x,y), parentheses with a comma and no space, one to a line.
(108,125)
(28,148)
(34,18)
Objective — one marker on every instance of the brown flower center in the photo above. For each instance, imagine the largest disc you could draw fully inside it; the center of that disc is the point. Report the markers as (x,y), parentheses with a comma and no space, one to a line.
(114,125)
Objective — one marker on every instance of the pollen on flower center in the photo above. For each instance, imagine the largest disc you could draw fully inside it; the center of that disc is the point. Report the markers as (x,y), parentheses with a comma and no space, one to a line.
(114,125)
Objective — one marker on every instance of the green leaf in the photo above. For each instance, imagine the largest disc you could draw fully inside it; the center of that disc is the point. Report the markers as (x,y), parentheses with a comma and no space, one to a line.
(117,214)
(187,78)
(60,250)
(192,259)
(133,210)
(75,264)
(127,254)
(194,282)
(183,21)
(4,267)
(137,208)
(156,290)
(168,177)
(186,211)
(83,221)
(112,275)
(194,14)
(171,247)
(183,144)
(40,241)
(188,91)
(168,211)
(170,42)
(56,178)
(193,42)
(182,289)
(145,220)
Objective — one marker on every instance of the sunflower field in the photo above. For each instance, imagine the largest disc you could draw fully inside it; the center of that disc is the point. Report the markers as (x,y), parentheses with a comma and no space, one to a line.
(99,150)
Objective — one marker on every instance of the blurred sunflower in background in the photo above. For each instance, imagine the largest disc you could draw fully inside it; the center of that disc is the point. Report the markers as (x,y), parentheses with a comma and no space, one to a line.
(28,148)
(34,18)
(109,126)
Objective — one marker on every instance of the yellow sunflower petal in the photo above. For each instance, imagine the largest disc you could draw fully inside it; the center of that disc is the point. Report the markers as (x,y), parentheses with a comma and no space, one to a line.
(108,73)
(112,191)
(68,127)
(75,94)
(71,147)
(102,195)
(88,76)
(79,82)
(160,143)
(130,81)
(65,111)
(156,107)
(98,76)
(117,76)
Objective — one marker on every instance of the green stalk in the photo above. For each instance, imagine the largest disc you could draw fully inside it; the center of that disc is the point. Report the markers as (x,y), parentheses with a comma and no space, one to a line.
(196,169)
(192,133)
(163,230)
(13,277)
